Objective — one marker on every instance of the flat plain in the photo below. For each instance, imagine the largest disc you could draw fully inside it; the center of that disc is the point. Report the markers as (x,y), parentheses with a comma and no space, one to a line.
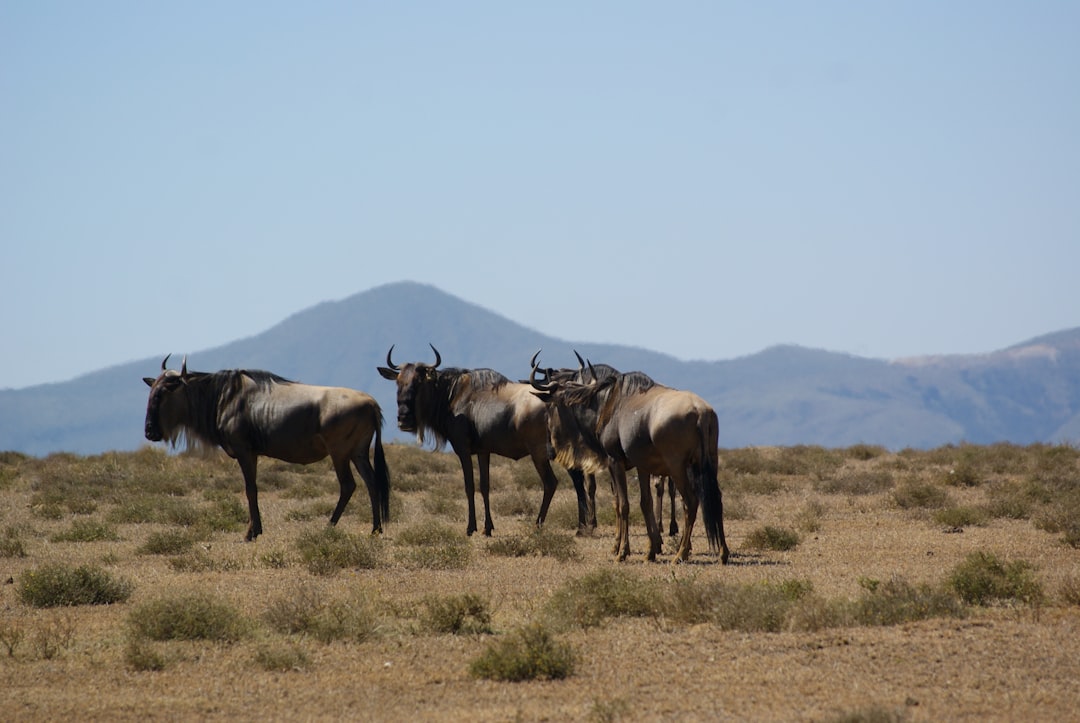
(853,593)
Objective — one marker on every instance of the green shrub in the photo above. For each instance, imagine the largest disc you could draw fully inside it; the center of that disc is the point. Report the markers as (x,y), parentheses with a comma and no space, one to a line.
(1063,516)
(169,542)
(897,601)
(141,655)
(434,546)
(305,611)
(281,658)
(864,482)
(590,600)
(809,517)
(87,531)
(538,544)
(865,452)
(962,516)
(1070,590)
(746,460)
(465,614)
(915,494)
(11,545)
(529,653)
(58,584)
(757,607)
(329,549)
(189,616)
(769,537)
(982,578)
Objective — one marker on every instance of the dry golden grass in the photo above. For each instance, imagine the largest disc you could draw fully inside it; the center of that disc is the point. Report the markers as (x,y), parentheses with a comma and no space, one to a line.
(356,637)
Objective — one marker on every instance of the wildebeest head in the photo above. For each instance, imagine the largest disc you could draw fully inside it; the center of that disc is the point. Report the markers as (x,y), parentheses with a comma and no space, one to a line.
(415,387)
(573,411)
(166,408)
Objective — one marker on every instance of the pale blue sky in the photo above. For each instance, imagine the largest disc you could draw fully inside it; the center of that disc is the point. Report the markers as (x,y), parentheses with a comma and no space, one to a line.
(705,179)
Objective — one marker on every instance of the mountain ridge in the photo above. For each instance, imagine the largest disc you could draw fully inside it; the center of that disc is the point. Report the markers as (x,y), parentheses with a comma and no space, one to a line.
(785,394)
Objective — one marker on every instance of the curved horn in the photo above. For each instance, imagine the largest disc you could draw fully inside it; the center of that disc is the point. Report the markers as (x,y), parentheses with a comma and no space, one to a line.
(438,358)
(389,363)
(545,386)
(532,362)
(183,367)
(580,361)
(165,361)
(592,370)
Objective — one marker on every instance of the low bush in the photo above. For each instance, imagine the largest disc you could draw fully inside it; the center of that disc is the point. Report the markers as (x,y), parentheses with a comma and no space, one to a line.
(87,531)
(769,537)
(962,516)
(141,655)
(329,549)
(281,658)
(529,653)
(538,544)
(11,544)
(861,482)
(916,494)
(189,616)
(168,542)
(982,578)
(758,607)
(434,546)
(590,600)
(466,614)
(58,584)
(306,611)
(897,601)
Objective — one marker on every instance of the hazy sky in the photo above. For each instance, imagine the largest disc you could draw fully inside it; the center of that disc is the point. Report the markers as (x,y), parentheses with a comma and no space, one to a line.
(705,179)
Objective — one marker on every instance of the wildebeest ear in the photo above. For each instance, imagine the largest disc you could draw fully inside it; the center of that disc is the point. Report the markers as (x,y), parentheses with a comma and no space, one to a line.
(387,373)
(149,381)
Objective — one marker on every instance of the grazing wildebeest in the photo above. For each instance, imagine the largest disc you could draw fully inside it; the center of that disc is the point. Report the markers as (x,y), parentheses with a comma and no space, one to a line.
(479,412)
(255,413)
(628,421)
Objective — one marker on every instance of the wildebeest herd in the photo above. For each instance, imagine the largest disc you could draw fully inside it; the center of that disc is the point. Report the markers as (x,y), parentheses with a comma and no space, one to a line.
(588,420)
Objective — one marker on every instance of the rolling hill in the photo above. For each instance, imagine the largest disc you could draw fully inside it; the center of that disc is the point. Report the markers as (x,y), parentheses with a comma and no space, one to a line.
(783,395)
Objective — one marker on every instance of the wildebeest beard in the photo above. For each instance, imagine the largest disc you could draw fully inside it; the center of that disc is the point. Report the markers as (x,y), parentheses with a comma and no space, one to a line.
(432,402)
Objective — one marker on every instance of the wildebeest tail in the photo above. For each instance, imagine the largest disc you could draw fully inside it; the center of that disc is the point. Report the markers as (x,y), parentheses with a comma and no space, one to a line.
(707,484)
(382,471)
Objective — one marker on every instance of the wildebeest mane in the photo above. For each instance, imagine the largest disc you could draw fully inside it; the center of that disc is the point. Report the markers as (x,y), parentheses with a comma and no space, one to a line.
(453,386)
(205,393)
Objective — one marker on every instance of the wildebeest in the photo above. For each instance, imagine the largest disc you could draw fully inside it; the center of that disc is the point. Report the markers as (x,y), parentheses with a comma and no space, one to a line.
(586,491)
(584,484)
(255,413)
(479,412)
(628,421)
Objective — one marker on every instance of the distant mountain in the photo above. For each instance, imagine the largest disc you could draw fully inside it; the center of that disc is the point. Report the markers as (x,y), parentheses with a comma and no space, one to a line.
(784,395)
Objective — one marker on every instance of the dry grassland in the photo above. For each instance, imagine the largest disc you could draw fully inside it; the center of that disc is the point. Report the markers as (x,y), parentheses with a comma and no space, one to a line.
(171,528)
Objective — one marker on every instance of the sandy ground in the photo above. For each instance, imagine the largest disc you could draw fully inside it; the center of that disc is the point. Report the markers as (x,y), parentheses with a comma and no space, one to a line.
(997,664)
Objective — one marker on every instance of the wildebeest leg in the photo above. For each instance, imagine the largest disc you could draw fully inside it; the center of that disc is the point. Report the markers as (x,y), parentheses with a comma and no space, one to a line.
(690,506)
(470,488)
(249,465)
(367,473)
(483,461)
(622,512)
(673,527)
(590,516)
(578,478)
(651,527)
(347,485)
(550,481)
(659,508)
